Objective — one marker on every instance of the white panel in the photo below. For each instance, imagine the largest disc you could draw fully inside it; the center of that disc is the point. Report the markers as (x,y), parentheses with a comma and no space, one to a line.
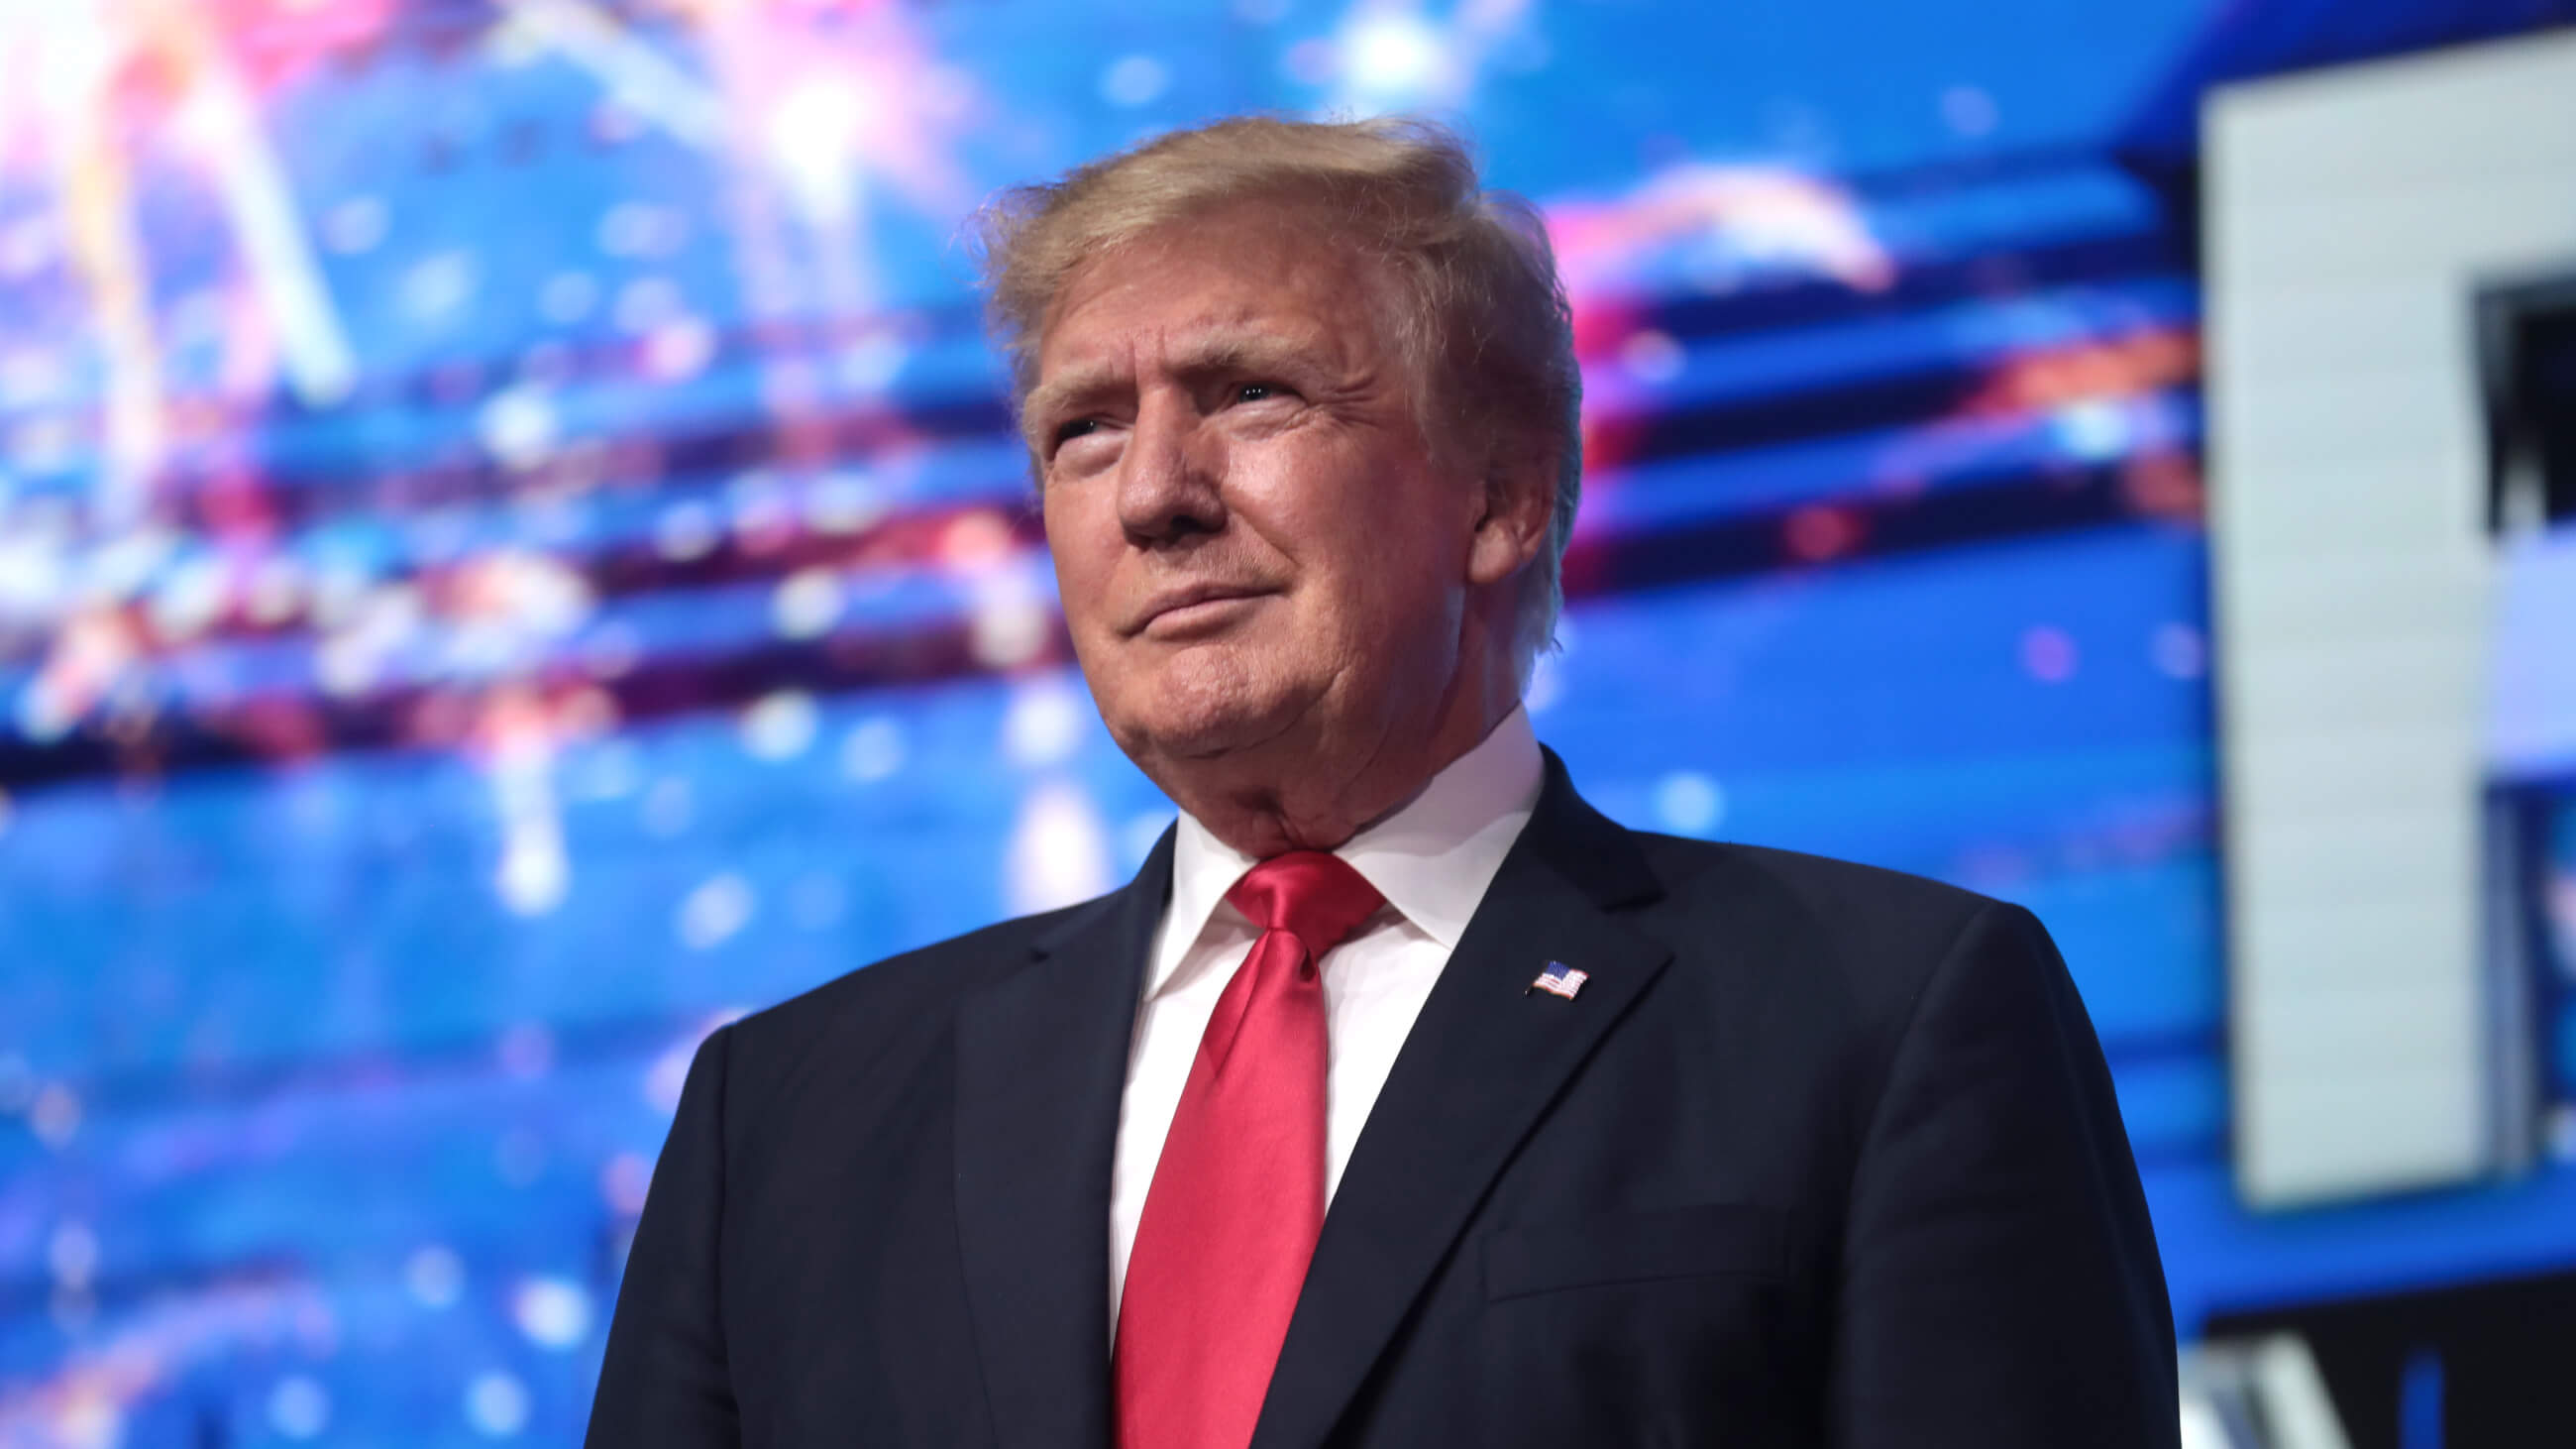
(2351,216)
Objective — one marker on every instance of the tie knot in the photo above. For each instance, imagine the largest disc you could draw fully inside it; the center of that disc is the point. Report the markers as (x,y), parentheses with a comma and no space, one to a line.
(1313,895)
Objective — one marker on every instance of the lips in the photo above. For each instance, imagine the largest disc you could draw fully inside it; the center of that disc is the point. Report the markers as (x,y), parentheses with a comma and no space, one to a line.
(1184,606)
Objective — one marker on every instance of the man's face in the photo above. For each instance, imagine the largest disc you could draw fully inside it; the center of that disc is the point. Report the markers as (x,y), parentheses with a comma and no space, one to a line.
(1254,543)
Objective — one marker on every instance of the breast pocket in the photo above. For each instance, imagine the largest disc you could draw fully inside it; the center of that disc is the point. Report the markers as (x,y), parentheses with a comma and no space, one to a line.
(1676,1326)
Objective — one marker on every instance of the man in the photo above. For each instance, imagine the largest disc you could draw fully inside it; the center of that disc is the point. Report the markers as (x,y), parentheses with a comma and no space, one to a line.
(1401,1099)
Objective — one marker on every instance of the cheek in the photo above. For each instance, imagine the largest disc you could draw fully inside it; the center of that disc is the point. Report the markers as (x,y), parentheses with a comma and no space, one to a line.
(1355,500)
(1390,587)
(1082,564)
(1408,535)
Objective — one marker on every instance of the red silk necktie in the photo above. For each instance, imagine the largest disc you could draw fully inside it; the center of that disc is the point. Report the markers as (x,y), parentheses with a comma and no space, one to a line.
(1238,1194)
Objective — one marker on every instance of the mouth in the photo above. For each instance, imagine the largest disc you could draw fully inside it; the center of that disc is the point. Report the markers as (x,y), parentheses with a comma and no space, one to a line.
(1196,610)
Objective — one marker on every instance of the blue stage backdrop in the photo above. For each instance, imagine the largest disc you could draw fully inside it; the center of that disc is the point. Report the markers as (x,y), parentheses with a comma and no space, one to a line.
(512,553)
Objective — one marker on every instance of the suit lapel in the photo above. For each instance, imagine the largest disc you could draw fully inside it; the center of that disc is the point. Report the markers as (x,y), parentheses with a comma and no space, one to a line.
(1041,1061)
(1480,1068)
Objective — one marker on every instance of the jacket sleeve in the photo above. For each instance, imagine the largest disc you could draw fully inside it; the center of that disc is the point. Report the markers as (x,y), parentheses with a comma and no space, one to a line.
(665,1383)
(2000,1282)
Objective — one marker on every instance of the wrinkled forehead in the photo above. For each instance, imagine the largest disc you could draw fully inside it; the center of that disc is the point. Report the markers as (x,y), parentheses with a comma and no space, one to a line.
(1221,283)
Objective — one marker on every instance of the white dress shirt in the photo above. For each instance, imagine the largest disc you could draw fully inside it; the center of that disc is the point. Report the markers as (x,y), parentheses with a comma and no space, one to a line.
(1431,860)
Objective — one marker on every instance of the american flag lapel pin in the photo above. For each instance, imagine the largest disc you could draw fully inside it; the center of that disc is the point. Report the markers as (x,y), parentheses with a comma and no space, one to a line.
(1559,979)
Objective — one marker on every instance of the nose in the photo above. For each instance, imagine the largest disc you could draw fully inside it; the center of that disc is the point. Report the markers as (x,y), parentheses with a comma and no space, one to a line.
(1170,476)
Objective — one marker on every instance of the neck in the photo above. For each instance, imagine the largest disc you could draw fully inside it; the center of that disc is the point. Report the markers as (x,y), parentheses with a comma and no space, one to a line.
(1308,795)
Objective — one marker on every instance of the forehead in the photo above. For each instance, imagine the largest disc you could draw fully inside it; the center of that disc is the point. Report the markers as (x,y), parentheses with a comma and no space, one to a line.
(1255,276)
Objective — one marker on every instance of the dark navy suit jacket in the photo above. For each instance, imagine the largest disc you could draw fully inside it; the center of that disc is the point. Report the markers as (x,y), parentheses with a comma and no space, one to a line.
(1819,1154)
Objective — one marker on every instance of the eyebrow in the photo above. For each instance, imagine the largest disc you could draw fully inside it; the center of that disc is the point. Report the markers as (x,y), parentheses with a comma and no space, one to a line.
(1238,352)
(1062,393)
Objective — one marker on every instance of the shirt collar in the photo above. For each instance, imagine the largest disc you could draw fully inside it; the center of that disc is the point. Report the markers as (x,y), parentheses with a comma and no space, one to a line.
(1431,859)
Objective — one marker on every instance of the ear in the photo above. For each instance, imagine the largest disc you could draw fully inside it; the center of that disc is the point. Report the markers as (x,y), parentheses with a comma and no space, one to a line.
(1519,500)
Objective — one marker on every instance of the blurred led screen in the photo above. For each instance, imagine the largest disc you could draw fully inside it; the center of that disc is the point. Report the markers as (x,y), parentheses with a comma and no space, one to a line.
(512,552)
(2392,270)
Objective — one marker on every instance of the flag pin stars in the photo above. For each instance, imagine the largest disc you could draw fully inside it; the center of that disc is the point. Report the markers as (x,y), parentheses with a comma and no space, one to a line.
(1559,979)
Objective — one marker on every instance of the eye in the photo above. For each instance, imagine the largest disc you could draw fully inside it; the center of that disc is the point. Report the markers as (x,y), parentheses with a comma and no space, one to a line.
(1066,432)
(1253,392)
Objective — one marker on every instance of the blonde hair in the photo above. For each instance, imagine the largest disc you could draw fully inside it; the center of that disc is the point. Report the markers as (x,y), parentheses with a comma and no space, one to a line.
(1483,318)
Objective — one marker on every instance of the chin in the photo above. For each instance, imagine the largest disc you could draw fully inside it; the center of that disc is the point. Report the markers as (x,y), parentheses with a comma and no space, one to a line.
(1206,709)
(1205,733)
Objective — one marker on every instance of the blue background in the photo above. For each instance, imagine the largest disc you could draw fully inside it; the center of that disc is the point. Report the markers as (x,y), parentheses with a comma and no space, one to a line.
(408,757)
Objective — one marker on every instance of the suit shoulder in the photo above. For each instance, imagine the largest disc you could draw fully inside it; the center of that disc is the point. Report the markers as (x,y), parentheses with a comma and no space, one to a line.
(1866,936)
(909,987)
(1843,890)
